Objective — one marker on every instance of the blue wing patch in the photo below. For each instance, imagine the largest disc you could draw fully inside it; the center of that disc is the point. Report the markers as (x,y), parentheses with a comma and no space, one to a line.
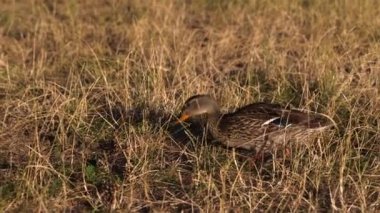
(278,121)
(281,122)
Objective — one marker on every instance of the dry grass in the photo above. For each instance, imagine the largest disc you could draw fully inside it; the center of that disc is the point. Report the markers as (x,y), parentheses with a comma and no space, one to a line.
(87,90)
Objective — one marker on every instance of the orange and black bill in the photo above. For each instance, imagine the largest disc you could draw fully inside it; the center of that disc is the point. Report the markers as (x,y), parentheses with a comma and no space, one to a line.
(183,118)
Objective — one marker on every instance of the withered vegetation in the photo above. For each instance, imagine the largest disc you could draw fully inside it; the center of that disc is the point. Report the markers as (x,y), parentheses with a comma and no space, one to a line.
(89,90)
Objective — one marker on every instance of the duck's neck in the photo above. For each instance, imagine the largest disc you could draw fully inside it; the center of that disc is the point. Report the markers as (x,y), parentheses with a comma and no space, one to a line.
(213,123)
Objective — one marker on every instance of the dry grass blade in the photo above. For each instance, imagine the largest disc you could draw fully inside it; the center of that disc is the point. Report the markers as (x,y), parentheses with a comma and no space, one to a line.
(89,92)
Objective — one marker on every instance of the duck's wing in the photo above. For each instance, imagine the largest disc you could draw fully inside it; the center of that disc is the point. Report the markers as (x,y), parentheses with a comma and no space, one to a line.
(275,117)
(253,126)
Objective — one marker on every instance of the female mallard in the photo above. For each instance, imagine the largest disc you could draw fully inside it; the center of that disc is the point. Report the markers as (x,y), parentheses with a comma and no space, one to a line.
(258,126)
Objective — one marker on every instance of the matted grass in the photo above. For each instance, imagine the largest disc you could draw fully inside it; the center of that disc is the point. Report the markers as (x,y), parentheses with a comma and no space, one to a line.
(88,90)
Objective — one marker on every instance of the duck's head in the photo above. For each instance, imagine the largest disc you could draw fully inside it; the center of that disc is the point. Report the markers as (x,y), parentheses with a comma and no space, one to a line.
(199,106)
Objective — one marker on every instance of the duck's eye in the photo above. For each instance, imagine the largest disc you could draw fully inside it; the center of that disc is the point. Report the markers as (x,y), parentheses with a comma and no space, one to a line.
(186,105)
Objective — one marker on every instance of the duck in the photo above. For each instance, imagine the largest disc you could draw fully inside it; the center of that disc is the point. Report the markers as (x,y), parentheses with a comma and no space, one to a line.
(262,127)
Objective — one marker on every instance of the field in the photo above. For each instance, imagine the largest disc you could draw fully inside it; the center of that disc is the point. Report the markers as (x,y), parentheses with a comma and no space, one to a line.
(89,91)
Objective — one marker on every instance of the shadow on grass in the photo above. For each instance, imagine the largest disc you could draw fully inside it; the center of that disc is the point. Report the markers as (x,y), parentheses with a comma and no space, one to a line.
(182,144)
(100,166)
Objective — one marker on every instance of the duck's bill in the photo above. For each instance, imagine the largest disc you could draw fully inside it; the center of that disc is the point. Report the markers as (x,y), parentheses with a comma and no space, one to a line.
(183,118)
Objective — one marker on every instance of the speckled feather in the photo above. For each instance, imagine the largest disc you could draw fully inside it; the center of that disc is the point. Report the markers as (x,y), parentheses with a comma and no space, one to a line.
(246,127)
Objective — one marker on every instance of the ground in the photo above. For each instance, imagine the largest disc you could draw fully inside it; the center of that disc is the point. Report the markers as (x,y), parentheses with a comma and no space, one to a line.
(89,91)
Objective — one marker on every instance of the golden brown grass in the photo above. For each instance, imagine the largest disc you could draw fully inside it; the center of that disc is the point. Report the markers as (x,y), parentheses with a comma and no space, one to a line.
(87,90)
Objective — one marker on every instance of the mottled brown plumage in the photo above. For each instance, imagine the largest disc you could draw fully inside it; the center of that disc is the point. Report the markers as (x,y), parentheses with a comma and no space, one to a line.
(258,126)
